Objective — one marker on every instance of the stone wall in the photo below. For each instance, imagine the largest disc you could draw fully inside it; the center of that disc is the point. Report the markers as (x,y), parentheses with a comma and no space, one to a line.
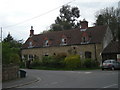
(95,49)
(9,72)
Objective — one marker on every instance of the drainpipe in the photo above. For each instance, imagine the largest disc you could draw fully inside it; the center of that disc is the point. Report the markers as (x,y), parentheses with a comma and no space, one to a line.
(95,52)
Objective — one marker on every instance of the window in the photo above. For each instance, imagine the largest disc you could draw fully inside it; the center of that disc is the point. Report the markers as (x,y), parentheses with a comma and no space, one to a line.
(88,54)
(46,54)
(46,42)
(30,45)
(64,41)
(84,39)
(31,57)
(24,57)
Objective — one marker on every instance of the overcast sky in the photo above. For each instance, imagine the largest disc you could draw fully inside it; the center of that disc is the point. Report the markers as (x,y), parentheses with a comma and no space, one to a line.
(17,16)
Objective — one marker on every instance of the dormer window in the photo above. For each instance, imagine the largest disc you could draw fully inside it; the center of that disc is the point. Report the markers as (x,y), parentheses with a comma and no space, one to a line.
(46,42)
(30,45)
(85,40)
(64,41)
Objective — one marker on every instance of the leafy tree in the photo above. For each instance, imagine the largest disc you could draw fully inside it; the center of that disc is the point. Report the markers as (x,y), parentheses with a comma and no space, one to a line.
(9,38)
(100,20)
(13,43)
(109,16)
(67,18)
(10,50)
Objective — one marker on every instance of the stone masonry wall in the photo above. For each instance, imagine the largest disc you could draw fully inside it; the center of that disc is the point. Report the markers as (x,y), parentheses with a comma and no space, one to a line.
(81,49)
(9,72)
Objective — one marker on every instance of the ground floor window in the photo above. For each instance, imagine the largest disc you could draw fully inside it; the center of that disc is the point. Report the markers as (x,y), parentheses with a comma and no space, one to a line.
(88,54)
(31,57)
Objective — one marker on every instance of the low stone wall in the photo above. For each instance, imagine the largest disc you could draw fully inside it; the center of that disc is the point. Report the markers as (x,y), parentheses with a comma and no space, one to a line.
(9,72)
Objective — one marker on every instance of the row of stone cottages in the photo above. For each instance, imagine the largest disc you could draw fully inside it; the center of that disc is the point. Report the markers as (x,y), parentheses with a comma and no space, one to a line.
(88,42)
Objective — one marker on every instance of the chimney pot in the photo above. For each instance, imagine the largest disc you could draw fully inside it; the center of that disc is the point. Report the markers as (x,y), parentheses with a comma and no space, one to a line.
(31,31)
(84,24)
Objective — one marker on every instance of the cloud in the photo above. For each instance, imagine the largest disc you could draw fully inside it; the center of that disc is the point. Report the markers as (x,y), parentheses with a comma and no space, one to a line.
(13,12)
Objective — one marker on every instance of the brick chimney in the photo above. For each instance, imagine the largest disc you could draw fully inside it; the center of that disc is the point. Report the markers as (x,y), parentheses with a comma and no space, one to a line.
(84,24)
(31,31)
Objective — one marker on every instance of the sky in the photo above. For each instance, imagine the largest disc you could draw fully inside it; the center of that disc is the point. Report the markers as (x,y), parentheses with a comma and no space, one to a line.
(17,16)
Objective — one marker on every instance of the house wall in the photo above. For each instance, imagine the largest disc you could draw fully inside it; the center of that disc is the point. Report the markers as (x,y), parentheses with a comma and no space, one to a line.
(107,38)
(95,49)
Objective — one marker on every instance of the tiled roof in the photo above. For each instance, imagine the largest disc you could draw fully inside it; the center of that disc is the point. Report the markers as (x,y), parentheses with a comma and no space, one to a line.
(74,37)
(113,47)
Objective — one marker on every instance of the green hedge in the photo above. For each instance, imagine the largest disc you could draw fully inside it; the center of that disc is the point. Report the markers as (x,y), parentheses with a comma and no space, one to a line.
(36,62)
(72,61)
(89,63)
(54,61)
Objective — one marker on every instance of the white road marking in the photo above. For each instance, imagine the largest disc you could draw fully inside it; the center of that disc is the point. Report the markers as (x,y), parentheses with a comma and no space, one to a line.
(88,72)
(84,72)
(110,85)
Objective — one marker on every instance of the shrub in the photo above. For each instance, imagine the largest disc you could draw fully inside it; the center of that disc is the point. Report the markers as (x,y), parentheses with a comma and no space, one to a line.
(72,61)
(47,60)
(88,63)
(22,64)
(36,62)
(14,58)
(55,60)
(59,58)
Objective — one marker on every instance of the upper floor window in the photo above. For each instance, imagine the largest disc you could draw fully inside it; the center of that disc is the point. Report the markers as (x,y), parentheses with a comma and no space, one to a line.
(46,42)
(30,45)
(64,41)
(85,40)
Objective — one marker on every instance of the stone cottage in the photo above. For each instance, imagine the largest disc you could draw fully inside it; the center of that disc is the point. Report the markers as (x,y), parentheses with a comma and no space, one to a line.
(88,42)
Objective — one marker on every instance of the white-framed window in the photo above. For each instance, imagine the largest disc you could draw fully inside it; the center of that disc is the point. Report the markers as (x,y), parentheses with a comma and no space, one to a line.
(85,40)
(30,45)
(46,42)
(64,41)
(31,57)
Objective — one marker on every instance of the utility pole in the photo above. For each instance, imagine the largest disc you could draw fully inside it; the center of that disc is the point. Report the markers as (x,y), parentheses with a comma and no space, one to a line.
(1,59)
(1,47)
(1,35)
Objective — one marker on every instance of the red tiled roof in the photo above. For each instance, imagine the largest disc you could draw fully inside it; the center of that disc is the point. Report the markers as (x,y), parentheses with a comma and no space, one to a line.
(74,37)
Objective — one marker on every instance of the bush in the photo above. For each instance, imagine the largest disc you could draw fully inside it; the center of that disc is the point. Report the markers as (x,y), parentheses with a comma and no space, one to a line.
(54,61)
(88,63)
(59,58)
(47,60)
(72,61)
(14,58)
(36,62)
(22,64)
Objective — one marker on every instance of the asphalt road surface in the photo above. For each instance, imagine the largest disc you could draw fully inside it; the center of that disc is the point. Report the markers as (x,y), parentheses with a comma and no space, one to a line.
(73,79)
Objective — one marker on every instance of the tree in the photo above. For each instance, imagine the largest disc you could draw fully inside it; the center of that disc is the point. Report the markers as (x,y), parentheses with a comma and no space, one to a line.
(9,38)
(13,43)
(10,50)
(100,20)
(109,16)
(67,18)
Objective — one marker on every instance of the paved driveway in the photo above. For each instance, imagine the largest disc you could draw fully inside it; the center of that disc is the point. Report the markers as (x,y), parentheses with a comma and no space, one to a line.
(73,79)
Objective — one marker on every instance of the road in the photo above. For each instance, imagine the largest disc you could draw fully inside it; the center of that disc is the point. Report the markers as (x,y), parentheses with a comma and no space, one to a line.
(73,79)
